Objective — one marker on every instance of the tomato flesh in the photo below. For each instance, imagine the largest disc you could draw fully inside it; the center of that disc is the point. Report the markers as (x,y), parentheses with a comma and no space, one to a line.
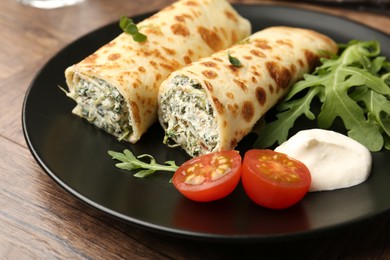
(273,179)
(209,177)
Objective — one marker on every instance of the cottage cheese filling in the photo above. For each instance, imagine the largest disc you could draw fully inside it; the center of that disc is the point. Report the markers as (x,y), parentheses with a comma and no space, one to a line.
(189,119)
(102,104)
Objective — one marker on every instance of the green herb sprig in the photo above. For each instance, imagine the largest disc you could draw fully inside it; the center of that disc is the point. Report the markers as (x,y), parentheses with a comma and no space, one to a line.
(128,26)
(354,87)
(128,161)
(234,61)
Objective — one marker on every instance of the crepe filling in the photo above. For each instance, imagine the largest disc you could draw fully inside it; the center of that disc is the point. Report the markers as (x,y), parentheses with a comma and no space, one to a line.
(102,104)
(189,118)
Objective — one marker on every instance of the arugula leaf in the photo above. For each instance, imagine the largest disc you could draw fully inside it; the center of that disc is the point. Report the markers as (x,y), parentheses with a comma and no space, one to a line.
(352,87)
(278,132)
(131,162)
(379,106)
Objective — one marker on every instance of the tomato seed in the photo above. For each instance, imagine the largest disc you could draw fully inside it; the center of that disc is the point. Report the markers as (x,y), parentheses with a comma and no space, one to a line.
(194,179)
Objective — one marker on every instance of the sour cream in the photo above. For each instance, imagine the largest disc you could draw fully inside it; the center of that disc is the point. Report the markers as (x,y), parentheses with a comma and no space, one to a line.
(335,161)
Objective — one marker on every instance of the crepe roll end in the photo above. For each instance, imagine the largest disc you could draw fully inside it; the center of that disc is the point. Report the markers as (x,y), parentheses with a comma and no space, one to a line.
(101,104)
(187,116)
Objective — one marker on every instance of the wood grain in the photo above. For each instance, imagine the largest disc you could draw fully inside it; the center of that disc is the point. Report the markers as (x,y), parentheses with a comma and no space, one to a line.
(40,220)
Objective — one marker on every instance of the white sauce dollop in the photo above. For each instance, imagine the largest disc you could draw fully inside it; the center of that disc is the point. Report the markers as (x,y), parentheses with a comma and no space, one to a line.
(335,161)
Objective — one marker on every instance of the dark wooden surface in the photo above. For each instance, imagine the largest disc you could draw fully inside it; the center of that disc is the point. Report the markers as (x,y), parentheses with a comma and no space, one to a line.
(39,220)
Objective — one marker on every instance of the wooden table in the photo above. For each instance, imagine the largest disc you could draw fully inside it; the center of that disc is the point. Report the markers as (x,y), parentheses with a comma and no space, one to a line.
(39,220)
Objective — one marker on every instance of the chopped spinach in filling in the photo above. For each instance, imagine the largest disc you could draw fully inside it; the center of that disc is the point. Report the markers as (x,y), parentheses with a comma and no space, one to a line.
(103,105)
(188,116)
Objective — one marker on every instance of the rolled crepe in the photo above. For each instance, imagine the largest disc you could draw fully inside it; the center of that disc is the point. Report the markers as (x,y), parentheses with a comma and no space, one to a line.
(212,103)
(116,87)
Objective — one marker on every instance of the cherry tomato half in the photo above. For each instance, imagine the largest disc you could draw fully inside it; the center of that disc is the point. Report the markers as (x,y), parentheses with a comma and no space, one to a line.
(209,177)
(273,179)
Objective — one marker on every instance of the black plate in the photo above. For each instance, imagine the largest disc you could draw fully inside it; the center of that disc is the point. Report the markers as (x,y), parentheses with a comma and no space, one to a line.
(74,154)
